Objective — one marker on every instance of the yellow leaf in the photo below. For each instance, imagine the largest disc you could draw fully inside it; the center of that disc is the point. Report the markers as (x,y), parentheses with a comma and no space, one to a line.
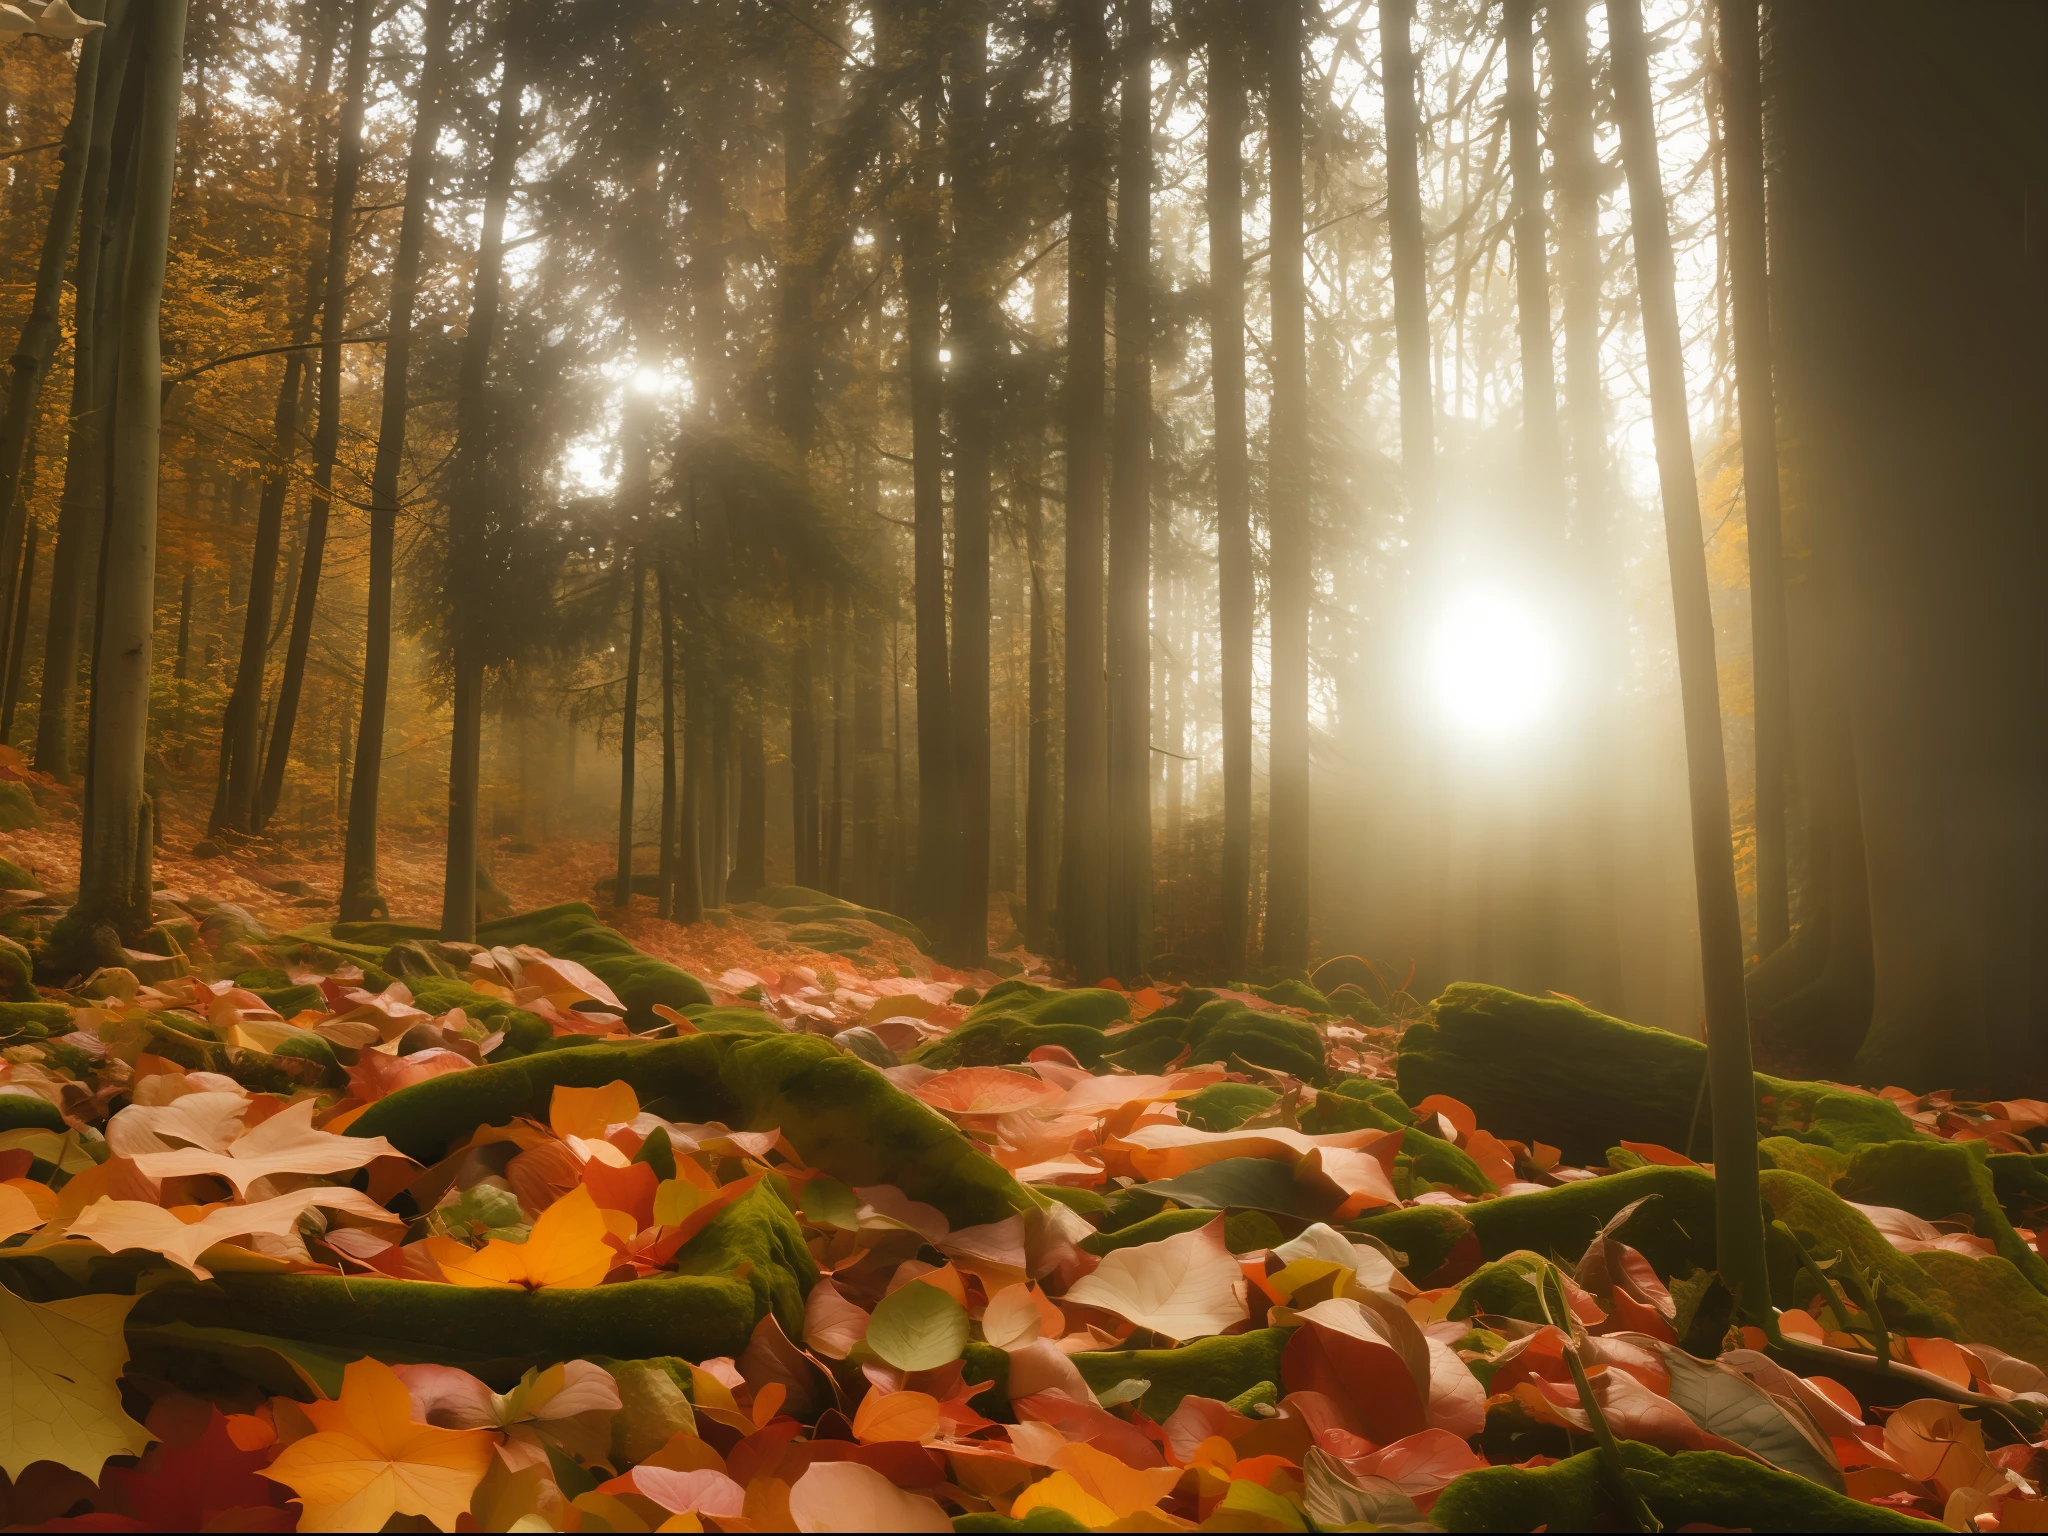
(674,1199)
(590,1112)
(1123,1488)
(1063,1492)
(59,1362)
(368,1460)
(565,1248)
(18,1209)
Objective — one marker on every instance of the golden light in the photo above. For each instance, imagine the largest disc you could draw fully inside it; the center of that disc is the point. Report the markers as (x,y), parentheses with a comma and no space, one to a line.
(1494,665)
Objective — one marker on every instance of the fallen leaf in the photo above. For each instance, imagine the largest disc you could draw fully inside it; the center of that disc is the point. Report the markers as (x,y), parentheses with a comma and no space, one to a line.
(846,1496)
(918,1327)
(284,1143)
(1182,1287)
(591,1112)
(118,1225)
(565,1248)
(832,1324)
(59,1365)
(369,1459)
(909,1416)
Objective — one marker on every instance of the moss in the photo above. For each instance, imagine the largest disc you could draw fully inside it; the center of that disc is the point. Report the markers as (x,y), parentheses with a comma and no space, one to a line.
(1226,1106)
(1042,1517)
(1827,1225)
(321,949)
(1219,1030)
(1000,1041)
(1292,992)
(1697,1489)
(693,1316)
(1502,1288)
(733,1020)
(1082,1201)
(573,931)
(316,1050)
(758,1231)
(1095,1007)
(35,1021)
(1993,1303)
(24,1111)
(1426,1236)
(17,973)
(18,806)
(1219,1367)
(2021,1182)
(1675,1233)
(1541,1069)
(524,1032)
(286,1001)
(1824,1165)
(15,878)
(1937,1179)
(1150,1230)
(843,1117)
(385,934)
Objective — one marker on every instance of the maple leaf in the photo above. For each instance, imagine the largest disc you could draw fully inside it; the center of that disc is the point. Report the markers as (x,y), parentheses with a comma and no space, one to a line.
(117,1225)
(566,1248)
(59,1362)
(370,1459)
(285,1143)
(210,1475)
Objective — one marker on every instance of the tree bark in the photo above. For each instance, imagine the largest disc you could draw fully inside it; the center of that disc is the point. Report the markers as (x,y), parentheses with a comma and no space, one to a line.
(1040,848)
(1287,515)
(837,817)
(348,160)
(1236,597)
(750,838)
(1408,254)
(113,905)
(665,879)
(360,898)
(42,330)
(868,886)
(1084,871)
(1575,158)
(467,503)
(1130,516)
(629,733)
(18,642)
(1749,280)
(1739,1237)
(976,341)
(79,517)
(1540,443)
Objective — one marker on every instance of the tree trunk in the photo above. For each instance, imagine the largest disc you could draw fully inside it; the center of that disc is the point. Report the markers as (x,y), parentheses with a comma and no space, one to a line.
(1040,845)
(360,898)
(717,852)
(976,339)
(1540,443)
(629,733)
(1575,159)
(467,503)
(1084,871)
(1739,1231)
(80,518)
(867,884)
(836,830)
(1749,275)
(1235,594)
(666,879)
(348,160)
(17,648)
(1408,255)
(41,331)
(937,841)
(803,726)
(750,840)
(691,883)
(1130,517)
(113,904)
(1287,515)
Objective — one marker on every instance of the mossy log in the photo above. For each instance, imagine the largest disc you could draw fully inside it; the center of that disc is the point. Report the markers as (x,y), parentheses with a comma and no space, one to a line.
(573,931)
(1936,1180)
(1217,1031)
(1694,1489)
(1223,1367)
(1542,1069)
(841,1116)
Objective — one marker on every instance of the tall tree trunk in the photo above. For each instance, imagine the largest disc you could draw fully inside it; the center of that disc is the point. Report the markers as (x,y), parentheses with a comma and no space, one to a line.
(691,883)
(1575,157)
(1287,513)
(1739,1237)
(665,879)
(1532,268)
(348,160)
(803,726)
(1408,254)
(836,829)
(868,748)
(1749,274)
(629,733)
(1130,516)
(113,904)
(41,331)
(976,340)
(1041,852)
(468,501)
(17,648)
(750,838)
(1235,596)
(717,852)
(937,840)
(80,518)
(360,898)
(1084,867)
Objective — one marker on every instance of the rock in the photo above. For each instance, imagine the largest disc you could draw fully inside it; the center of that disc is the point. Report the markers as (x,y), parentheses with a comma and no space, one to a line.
(208,850)
(867,1045)
(14,878)
(18,807)
(17,973)
(229,924)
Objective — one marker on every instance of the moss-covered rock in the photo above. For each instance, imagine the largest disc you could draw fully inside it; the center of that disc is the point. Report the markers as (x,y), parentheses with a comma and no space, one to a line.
(18,807)
(1675,1233)
(1150,1230)
(34,1021)
(1992,1303)
(17,973)
(572,930)
(1504,1288)
(15,878)
(1096,1007)
(1221,1368)
(1218,1031)
(1700,1489)
(1542,1069)
(1226,1106)
(761,1232)
(843,1117)
(1824,1165)
(1938,1179)
(1426,1236)
(1826,1224)
(733,1019)
(524,1032)
(1001,1041)
(2021,1182)
(24,1112)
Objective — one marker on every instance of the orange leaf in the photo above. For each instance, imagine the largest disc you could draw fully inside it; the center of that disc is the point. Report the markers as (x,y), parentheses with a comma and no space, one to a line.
(590,1112)
(566,1248)
(368,1460)
(1463,1121)
(895,1416)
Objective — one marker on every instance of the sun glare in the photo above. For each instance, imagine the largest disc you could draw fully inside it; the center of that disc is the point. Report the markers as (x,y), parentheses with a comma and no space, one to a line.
(1493,664)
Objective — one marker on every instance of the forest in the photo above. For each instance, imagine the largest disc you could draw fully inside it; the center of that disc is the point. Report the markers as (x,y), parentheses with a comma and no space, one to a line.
(1023,765)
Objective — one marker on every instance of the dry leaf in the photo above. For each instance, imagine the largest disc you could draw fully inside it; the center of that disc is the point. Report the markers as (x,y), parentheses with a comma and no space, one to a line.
(1182,1287)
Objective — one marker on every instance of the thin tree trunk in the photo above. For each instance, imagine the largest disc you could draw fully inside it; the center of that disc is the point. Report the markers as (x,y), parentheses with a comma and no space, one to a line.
(666,880)
(803,728)
(348,159)
(360,898)
(17,648)
(80,516)
(690,880)
(468,497)
(1041,853)
(1409,257)
(718,854)
(113,903)
(1739,1236)
(629,733)
(42,330)
(1287,512)
(868,749)
(1749,273)
(1235,596)
(750,840)
(1130,516)
(974,380)
(1532,267)
(1575,157)
(1084,869)
(837,830)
